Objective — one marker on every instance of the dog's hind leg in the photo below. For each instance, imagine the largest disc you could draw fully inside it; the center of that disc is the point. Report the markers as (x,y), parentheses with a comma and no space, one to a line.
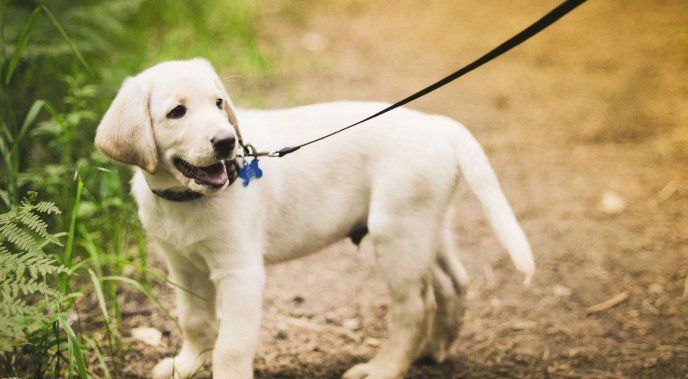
(449,280)
(405,243)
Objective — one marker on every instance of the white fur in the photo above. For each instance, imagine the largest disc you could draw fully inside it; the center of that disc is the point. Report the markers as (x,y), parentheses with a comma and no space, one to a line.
(396,174)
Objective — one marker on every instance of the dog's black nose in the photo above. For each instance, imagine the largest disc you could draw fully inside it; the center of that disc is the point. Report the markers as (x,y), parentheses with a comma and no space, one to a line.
(223,145)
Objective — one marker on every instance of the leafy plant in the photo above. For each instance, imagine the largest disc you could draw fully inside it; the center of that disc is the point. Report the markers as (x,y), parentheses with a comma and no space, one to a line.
(25,270)
(14,131)
(31,320)
(60,64)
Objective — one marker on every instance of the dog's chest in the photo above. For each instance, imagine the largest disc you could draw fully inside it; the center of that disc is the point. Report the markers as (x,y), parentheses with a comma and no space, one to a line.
(180,225)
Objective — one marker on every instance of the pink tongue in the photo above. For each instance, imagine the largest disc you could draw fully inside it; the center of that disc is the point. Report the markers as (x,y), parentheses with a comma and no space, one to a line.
(213,175)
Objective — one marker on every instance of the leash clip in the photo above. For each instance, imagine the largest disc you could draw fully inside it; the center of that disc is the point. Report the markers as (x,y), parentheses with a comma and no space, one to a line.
(249,151)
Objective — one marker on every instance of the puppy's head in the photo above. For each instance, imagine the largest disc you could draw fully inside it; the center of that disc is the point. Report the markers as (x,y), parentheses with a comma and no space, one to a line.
(174,117)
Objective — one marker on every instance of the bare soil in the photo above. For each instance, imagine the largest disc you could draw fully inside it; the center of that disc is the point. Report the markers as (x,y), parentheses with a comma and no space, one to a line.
(595,104)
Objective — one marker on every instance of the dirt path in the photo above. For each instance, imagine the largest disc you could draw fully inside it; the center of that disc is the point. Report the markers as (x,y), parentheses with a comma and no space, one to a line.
(595,104)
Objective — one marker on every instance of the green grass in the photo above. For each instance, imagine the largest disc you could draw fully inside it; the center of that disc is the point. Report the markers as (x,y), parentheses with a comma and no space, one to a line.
(61,62)
(222,31)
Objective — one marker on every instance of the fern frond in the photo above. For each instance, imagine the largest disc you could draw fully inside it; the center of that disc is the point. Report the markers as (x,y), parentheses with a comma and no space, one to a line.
(34,222)
(47,207)
(25,270)
(19,237)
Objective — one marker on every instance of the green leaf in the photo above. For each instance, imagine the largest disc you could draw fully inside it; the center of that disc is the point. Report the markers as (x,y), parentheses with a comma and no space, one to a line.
(8,136)
(5,196)
(69,41)
(74,350)
(28,120)
(69,245)
(99,294)
(95,348)
(21,45)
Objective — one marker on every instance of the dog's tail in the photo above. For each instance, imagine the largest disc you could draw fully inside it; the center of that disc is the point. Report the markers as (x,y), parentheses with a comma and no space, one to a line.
(483,182)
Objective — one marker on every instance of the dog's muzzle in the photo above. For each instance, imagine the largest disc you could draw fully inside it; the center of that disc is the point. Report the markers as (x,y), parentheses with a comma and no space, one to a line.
(230,168)
(214,175)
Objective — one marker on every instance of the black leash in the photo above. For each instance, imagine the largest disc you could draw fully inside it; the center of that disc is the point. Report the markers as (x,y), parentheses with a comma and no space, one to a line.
(547,20)
(248,171)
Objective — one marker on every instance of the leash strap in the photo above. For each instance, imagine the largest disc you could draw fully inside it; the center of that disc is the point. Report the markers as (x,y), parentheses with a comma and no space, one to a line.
(547,20)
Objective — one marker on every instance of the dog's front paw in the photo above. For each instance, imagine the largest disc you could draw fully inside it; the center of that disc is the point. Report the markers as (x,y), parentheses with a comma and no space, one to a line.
(179,367)
(164,369)
(373,370)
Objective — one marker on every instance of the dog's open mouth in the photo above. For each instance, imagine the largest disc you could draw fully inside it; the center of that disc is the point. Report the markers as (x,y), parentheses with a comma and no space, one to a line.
(214,175)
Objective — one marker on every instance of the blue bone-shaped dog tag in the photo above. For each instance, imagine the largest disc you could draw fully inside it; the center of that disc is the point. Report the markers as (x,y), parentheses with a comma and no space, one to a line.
(250,171)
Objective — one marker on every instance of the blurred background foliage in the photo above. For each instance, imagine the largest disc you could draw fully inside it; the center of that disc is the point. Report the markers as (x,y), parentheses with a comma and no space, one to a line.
(70,45)
(61,62)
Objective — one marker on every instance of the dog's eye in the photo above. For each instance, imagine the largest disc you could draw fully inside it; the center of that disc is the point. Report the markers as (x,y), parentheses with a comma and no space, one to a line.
(178,112)
(219,103)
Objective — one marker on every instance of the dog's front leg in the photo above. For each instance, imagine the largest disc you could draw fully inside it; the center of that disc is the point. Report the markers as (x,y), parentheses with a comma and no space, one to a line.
(240,294)
(196,309)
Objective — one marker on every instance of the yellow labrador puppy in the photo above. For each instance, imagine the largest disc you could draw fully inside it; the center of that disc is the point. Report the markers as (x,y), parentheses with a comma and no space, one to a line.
(393,179)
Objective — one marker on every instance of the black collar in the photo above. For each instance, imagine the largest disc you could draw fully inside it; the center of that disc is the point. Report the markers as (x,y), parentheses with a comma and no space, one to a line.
(178,196)
(187,195)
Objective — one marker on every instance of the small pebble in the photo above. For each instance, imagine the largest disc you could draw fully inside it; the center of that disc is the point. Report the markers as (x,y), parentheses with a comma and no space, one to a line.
(352,324)
(72,317)
(611,203)
(655,289)
(523,325)
(313,42)
(561,291)
(149,336)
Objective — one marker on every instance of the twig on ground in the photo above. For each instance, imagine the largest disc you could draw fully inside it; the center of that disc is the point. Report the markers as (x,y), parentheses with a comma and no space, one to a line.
(607,304)
(667,191)
(651,308)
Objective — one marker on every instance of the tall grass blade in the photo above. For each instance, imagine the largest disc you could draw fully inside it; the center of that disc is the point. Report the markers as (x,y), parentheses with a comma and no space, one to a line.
(64,35)
(22,41)
(69,245)
(95,348)
(74,351)
(100,296)
(3,8)
(144,291)
(28,121)
(158,275)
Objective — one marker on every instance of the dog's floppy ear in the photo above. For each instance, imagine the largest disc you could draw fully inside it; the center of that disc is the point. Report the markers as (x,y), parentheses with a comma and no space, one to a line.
(229,109)
(125,133)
